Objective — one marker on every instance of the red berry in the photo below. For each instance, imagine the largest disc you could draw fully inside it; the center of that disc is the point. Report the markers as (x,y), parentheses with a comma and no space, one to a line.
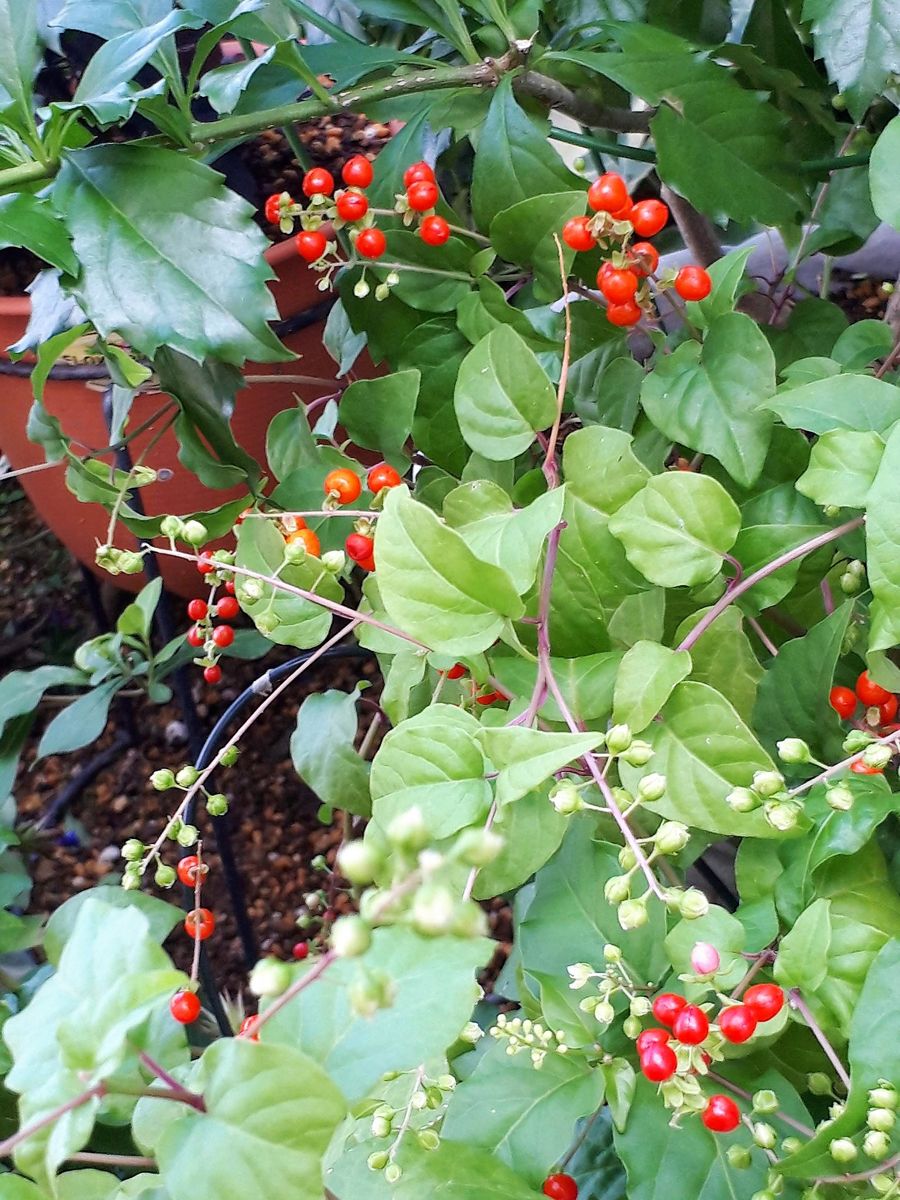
(721,1115)
(691,1025)
(560,1187)
(229,587)
(843,701)
(422,195)
(205,564)
(419,172)
(860,768)
(434,231)
(199,923)
(358,172)
(693,283)
(618,286)
(351,206)
(737,1024)
(658,1062)
(649,217)
(644,258)
(273,209)
(371,242)
(887,710)
(197,609)
(248,1023)
(359,547)
(368,564)
(311,244)
(577,234)
(342,485)
(651,1037)
(382,476)
(213,674)
(667,1006)
(489,698)
(869,691)
(187,870)
(765,1000)
(223,635)
(609,193)
(456,672)
(300,951)
(318,182)
(185,1007)
(227,608)
(195,636)
(623,314)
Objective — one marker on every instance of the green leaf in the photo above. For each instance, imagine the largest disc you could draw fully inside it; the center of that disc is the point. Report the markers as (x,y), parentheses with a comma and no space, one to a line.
(524,1117)
(793,695)
(224,86)
(80,722)
(586,683)
(482,311)
(526,757)
(322,749)
(502,396)
(137,619)
(725,662)
(269,1101)
(704,750)
(524,234)
(436,350)
(512,539)
(206,251)
(858,402)
(568,920)
(289,442)
(514,160)
(601,469)
(434,993)
(708,397)
(860,44)
(884,175)
(647,676)
(301,622)
(678,528)
(433,762)
(803,952)
(862,343)
(378,413)
(433,586)
(722,930)
(161,917)
(444,280)
(883,547)
(842,468)
(21,691)
(110,18)
(27,220)
(532,830)
(19,57)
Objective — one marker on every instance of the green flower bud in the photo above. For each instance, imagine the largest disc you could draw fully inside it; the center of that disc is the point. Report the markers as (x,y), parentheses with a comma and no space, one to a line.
(884,1096)
(878,756)
(671,837)
(693,905)
(479,847)
(350,937)
(765,1102)
(882,1119)
(133,850)
(632,1026)
(229,756)
(381,1127)
(794,750)
(382,291)
(187,835)
(627,858)
(764,1136)
(370,991)
(172,527)
(604,1012)
(839,797)
(617,889)
(652,787)
(640,1006)
(782,816)
(618,738)
(470,920)
(566,798)
(195,533)
(790,1145)
(379,1160)
(270,977)
(850,584)
(250,590)
(359,862)
(739,1157)
(408,831)
(819,1084)
(765,1194)
(842,1150)
(632,914)
(428,1139)
(433,910)
(266,623)
(638,753)
(768,783)
(334,561)
(163,779)
(392,1173)
(131,563)
(187,777)
(361,289)
(217,805)
(131,879)
(742,800)
(882,1184)
(611,953)
(876,1144)
(832,511)
(295,552)
(857,740)
(165,876)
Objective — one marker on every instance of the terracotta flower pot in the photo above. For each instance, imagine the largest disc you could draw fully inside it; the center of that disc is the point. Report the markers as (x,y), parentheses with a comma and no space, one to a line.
(79,409)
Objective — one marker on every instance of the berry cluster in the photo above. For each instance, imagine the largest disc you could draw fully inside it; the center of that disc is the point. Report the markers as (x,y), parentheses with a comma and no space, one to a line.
(529,1036)
(622,278)
(199,924)
(698,1042)
(212,638)
(419,200)
(484,698)
(343,486)
(881,710)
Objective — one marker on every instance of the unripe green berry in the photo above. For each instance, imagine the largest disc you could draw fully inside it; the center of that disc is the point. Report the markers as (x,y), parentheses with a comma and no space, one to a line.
(632,914)
(652,787)
(782,816)
(882,1184)
(790,1145)
(172,527)
(195,533)
(765,1194)
(617,888)
(671,837)
(738,1157)
(350,937)
(392,1173)
(433,910)
(295,552)
(882,1119)
(876,1145)
(479,847)
(638,753)
(693,904)
(334,561)
(229,756)
(163,779)
(842,1150)
(794,750)
(470,920)
(358,862)
(819,1083)
(428,1139)
(270,977)
(187,835)
(878,756)
(631,1027)
(133,850)
(764,1136)
(131,879)
(165,876)
(379,1160)
(768,783)
(217,805)
(857,740)
(408,831)
(618,738)
(850,584)
(566,798)
(742,800)
(765,1101)
(381,1127)
(187,776)
(883,1096)
(839,797)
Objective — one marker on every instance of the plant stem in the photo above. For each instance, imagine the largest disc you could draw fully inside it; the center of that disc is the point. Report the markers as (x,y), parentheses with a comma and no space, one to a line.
(605,145)
(473,874)
(310,512)
(170,1081)
(131,1161)
(407,1116)
(550,466)
(861,1176)
(22,1135)
(796,1001)
(764,572)
(315,971)
(763,636)
(890,739)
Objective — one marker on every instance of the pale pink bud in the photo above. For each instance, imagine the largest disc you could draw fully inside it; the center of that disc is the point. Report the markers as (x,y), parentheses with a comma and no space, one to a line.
(705,959)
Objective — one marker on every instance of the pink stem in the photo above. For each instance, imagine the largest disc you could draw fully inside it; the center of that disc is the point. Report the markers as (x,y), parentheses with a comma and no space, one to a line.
(763,573)
(287,996)
(550,466)
(827,597)
(22,1135)
(797,1001)
(890,739)
(860,1176)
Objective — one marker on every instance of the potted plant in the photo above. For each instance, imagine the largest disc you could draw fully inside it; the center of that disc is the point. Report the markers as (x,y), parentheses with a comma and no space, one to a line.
(632,587)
